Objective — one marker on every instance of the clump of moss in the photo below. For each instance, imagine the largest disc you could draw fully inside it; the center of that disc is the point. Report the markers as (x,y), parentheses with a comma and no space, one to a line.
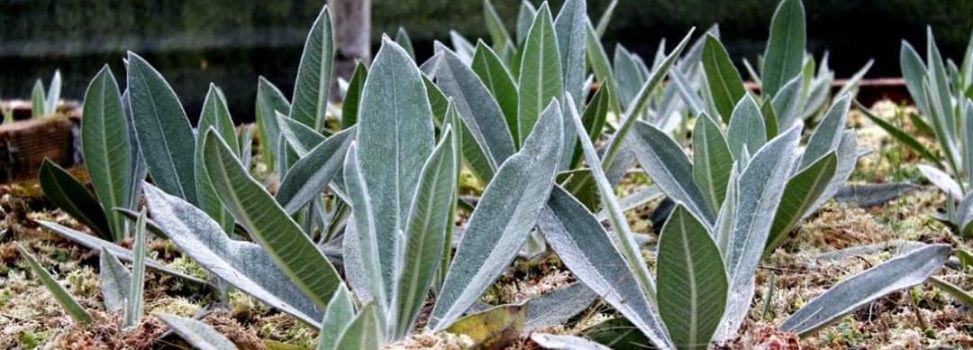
(174,305)
(84,282)
(285,329)
(243,306)
(189,267)
(469,184)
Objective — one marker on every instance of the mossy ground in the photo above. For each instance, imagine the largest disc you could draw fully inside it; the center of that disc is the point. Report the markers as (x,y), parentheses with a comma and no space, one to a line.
(801,269)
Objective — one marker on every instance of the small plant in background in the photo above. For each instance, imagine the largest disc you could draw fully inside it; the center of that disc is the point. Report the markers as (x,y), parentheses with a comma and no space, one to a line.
(7,112)
(943,93)
(45,103)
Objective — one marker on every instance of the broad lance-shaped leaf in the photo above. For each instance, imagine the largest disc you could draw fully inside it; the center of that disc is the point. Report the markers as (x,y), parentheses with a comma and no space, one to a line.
(570,29)
(70,195)
(489,67)
(94,243)
(352,102)
(787,103)
(641,101)
(246,145)
(712,162)
(496,327)
(107,152)
(270,100)
(115,280)
(583,245)
(312,87)
(425,231)
(463,47)
(848,155)
(339,313)
(198,334)
(477,108)
(600,65)
(941,180)
(363,333)
(692,281)
(268,224)
(746,127)
(215,116)
(360,246)
(628,74)
(850,294)
(139,170)
(623,239)
(311,174)
(38,102)
(663,159)
(594,117)
(938,87)
(301,138)
(53,95)
(165,136)
(498,30)
(502,220)
(474,149)
(913,72)
(558,306)
(395,137)
(540,72)
(61,295)
(801,193)
(827,135)
(565,342)
(437,99)
(785,48)
(247,266)
(722,77)
(402,38)
(723,228)
(759,191)
(135,305)
(525,17)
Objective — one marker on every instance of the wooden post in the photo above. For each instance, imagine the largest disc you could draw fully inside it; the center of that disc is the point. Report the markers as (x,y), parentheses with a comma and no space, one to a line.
(352,34)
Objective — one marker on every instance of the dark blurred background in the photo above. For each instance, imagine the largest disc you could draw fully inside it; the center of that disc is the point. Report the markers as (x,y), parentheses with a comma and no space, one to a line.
(231,42)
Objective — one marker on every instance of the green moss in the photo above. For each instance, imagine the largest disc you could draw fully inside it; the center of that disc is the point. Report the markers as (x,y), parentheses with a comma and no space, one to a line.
(286,330)
(176,306)
(84,283)
(30,339)
(187,266)
(242,304)
(5,296)
(469,184)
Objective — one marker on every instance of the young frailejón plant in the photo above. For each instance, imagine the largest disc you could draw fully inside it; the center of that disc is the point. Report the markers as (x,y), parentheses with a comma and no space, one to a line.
(121,289)
(943,93)
(789,86)
(45,103)
(520,73)
(826,162)
(705,274)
